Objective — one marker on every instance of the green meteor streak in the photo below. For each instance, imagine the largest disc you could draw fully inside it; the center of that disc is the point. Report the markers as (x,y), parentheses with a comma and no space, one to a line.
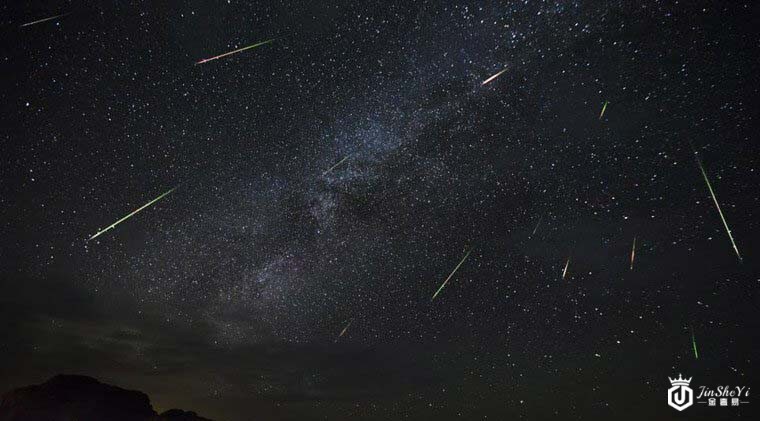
(336,165)
(717,206)
(694,345)
(604,107)
(112,226)
(451,274)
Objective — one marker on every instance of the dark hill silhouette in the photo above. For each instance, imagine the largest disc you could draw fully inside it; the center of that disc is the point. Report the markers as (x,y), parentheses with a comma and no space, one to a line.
(80,398)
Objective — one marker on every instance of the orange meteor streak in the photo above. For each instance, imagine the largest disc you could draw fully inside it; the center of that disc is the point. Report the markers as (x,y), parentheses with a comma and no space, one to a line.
(239,50)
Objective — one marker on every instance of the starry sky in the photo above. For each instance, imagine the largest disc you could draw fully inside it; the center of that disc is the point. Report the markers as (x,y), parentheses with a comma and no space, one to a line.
(228,296)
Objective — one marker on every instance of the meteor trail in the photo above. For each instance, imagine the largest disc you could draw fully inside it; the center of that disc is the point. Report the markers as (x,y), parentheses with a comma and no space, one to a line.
(451,274)
(536,228)
(239,50)
(633,252)
(112,226)
(43,20)
(564,271)
(694,344)
(336,165)
(717,206)
(604,108)
(493,77)
(343,332)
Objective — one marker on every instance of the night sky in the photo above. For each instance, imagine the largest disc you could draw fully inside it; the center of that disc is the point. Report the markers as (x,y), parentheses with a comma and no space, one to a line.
(228,295)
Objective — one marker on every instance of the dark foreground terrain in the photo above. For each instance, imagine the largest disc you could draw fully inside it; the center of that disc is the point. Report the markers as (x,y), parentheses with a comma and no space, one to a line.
(65,398)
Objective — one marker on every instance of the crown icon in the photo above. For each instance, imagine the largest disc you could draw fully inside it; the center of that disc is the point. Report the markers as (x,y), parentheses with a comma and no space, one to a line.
(680,381)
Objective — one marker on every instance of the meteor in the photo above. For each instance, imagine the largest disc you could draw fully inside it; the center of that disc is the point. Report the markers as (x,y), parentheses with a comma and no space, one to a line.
(717,206)
(336,165)
(239,50)
(451,274)
(536,228)
(343,332)
(43,20)
(694,344)
(604,108)
(493,77)
(112,226)
(564,271)
(633,252)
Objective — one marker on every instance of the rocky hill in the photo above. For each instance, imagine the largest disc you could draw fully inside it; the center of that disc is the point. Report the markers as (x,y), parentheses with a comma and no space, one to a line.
(75,398)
